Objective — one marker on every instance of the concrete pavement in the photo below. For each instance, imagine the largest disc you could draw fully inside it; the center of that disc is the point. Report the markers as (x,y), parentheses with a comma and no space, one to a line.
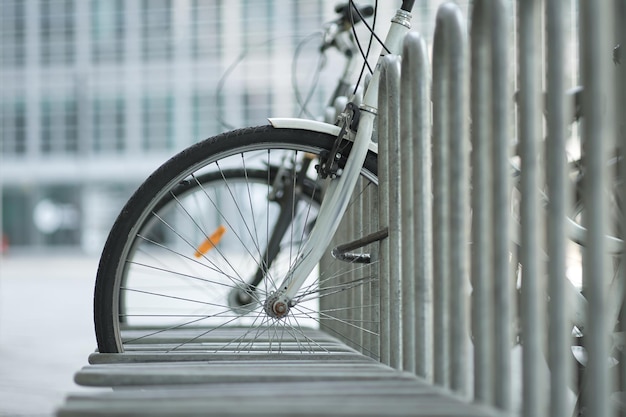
(46,329)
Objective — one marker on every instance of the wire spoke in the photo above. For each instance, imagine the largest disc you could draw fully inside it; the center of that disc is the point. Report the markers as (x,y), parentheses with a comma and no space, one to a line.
(222,216)
(342,335)
(179,326)
(325,292)
(183,275)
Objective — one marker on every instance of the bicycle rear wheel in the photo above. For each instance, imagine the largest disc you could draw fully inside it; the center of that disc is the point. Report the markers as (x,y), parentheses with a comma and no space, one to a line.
(205,240)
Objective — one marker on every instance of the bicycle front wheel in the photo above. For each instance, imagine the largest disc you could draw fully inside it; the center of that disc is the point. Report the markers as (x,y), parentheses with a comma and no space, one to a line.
(206,239)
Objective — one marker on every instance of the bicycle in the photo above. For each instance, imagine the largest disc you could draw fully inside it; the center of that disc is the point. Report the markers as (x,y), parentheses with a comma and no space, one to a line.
(181,270)
(195,254)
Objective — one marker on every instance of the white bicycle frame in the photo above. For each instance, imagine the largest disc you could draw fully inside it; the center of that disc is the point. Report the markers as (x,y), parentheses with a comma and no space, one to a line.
(339,190)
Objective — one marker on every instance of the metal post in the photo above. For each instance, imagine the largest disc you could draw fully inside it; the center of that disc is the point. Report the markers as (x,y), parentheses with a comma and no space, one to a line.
(483,317)
(441,270)
(559,335)
(620,102)
(383,219)
(504,282)
(357,306)
(328,264)
(417,206)
(348,303)
(391,65)
(598,139)
(450,209)
(530,119)
(371,204)
(458,143)
(407,228)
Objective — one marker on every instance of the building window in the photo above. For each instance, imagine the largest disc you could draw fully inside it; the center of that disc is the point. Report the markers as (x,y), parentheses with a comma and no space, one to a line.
(12,33)
(57,32)
(107,30)
(59,126)
(206,28)
(109,122)
(257,25)
(70,144)
(157,30)
(14,128)
(204,116)
(47,127)
(158,116)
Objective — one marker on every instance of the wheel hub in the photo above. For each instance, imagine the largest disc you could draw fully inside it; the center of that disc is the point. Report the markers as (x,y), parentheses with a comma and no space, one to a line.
(277,306)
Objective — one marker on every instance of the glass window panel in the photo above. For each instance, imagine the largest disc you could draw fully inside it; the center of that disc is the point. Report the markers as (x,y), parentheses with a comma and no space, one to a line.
(157,30)
(107,30)
(204,116)
(206,28)
(109,119)
(158,114)
(13,133)
(12,33)
(57,32)
(59,126)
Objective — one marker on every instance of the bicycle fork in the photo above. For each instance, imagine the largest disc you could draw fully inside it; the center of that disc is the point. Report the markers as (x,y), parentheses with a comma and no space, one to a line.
(333,207)
(339,190)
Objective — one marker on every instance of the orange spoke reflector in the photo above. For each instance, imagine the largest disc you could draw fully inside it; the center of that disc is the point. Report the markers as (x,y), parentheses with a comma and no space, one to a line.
(210,242)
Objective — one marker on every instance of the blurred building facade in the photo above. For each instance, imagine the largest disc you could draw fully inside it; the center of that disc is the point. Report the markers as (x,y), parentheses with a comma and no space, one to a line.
(97,93)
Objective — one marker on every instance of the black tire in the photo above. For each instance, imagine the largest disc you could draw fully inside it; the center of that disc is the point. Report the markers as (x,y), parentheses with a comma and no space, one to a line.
(146,257)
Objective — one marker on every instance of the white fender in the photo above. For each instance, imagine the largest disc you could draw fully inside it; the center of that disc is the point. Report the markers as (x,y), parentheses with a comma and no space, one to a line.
(314,125)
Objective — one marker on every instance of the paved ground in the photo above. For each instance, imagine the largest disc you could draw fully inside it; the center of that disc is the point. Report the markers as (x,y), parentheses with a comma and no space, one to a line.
(46,329)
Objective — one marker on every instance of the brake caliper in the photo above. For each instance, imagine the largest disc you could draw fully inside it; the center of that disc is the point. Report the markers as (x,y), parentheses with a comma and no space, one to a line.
(329,161)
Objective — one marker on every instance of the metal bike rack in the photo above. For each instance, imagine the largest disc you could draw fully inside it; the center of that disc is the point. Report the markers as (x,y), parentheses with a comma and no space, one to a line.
(435,316)
(445,277)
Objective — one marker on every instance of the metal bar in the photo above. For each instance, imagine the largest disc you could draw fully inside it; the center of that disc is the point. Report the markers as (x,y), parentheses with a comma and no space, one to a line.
(336,298)
(598,138)
(530,119)
(451,207)
(458,143)
(327,263)
(348,295)
(368,301)
(417,202)
(556,175)
(620,102)
(407,166)
(441,224)
(341,251)
(357,292)
(371,200)
(503,280)
(440,212)
(482,227)
(391,63)
(383,218)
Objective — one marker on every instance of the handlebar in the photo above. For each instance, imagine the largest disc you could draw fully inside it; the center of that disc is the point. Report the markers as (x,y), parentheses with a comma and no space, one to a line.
(407,5)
